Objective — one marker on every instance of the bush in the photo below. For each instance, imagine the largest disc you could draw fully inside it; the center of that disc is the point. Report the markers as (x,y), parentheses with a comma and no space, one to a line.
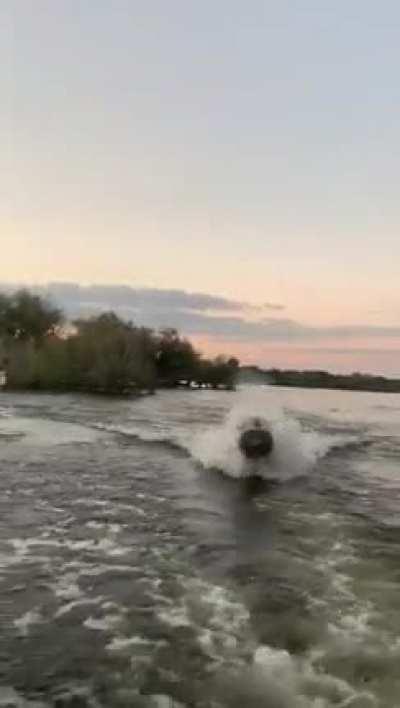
(102,354)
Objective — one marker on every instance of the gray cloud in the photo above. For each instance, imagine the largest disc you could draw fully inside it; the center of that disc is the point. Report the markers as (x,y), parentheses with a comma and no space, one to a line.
(192,314)
(139,299)
(153,306)
(274,329)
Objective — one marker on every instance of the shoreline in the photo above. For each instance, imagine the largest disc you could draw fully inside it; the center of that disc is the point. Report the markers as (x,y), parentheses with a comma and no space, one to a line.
(144,393)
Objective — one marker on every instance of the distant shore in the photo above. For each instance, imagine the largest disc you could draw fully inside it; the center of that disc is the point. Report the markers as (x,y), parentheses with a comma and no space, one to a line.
(319,380)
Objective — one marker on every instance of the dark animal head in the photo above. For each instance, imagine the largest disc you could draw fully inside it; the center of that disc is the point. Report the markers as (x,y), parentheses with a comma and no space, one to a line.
(256,442)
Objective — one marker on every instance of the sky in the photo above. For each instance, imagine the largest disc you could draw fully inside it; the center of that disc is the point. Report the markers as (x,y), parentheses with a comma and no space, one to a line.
(243,153)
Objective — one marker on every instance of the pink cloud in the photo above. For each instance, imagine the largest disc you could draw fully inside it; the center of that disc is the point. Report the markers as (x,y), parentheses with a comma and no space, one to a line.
(341,357)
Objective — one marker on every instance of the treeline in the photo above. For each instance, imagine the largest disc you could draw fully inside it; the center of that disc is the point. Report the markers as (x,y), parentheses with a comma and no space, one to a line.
(40,350)
(319,379)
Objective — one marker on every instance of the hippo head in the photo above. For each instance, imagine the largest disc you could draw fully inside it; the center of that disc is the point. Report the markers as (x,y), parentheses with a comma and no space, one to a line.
(255,439)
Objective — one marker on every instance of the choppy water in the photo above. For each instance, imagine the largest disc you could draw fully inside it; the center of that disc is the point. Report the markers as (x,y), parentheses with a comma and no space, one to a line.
(134,573)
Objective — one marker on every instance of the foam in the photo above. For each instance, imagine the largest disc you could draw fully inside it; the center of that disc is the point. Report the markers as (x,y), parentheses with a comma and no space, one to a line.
(252,674)
(66,587)
(65,609)
(9,698)
(161,700)
(119,644)
(102,624)
(107,545)
(295,450)
(24,622)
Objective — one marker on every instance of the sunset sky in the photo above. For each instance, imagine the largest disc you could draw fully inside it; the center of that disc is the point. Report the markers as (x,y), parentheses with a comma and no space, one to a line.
(236,164)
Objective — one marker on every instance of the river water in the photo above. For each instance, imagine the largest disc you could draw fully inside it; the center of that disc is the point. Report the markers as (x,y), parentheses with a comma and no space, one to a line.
(139,567)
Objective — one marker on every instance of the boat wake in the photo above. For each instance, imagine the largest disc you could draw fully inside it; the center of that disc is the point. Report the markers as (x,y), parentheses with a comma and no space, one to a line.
(297,447)
(295,450)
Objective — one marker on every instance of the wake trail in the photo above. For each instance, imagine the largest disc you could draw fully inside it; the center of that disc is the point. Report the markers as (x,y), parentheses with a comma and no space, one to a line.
(296,450)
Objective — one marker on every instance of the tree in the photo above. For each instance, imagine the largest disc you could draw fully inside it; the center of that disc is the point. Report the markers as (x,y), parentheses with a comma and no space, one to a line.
(110,355)
(27,317)
(176,359)
(103,354)
(220,371)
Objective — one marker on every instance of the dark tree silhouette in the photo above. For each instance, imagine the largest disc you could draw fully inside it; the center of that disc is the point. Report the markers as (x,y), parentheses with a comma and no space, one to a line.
(102,354)
(25,317)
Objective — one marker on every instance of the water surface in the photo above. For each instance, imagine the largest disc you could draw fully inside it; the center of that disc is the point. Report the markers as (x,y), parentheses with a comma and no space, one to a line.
(134,573)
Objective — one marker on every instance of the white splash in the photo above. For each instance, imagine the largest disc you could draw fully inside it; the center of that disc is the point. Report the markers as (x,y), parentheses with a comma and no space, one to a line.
(295,451)
(23,623)
(102,624)
(248,673)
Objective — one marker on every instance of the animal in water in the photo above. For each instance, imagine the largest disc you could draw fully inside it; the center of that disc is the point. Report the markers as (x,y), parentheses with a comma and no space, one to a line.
(255,439)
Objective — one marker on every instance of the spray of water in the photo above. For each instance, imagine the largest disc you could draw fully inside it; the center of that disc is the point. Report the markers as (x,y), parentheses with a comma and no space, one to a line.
(295,450)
